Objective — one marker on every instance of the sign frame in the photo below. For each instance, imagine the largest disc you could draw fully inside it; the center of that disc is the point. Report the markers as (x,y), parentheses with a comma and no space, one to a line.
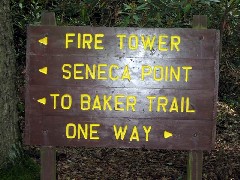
(40,46)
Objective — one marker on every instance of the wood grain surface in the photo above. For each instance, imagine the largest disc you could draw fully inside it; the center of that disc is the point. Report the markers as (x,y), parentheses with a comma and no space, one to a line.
(190,97)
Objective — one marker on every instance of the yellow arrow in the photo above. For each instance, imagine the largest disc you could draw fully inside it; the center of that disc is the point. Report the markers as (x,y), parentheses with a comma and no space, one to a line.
(42,101)
(44,70)
(43,41)
(167,134)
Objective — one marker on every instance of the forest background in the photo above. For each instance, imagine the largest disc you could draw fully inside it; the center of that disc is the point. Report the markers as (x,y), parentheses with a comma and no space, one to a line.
(222,163)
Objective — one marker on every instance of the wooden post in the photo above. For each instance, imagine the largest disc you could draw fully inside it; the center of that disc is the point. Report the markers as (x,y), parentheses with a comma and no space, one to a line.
(195,158)
(48,163)
(199,22)
(48,153)
(195,163)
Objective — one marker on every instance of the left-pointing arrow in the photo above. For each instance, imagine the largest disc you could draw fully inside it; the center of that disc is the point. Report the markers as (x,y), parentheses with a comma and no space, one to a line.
(42,101)
(44,70)
(43,41)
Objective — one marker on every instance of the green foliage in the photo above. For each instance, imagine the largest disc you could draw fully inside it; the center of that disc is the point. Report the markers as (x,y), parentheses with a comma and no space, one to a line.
(24,169)
(222,15)
(15,154)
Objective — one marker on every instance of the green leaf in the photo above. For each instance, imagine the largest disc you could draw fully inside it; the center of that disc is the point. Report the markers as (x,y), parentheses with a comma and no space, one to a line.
(126,21)
(127,7)
(152,4)
(142,7)
(187,8)
(214,0)
(20,5)
(136,18)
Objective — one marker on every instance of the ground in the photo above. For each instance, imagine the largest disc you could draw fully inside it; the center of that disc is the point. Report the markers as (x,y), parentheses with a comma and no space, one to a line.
(223,163)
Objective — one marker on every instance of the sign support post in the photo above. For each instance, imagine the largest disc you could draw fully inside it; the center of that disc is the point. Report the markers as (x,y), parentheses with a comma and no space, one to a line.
(48,153)
(195,158)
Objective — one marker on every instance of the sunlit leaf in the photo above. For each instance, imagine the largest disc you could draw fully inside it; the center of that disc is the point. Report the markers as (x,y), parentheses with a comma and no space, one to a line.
(187,8)
(136,18)
(20,5)
(127,7)
(142,7)
(214,0)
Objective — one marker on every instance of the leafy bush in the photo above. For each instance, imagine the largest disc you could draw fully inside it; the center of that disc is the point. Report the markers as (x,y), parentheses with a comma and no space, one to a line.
(222,15)
(24,169)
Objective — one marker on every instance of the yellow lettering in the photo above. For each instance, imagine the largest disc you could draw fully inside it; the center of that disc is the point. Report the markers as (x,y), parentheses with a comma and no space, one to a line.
(93,131)
(120,132)
(148,72)
(96,103)
(148,43)
(117,103)
(66,97)
(111,72)
(85,100)
(68,76)
(68,40)
(134,135)
(101,71)
(174,105)
(82,131)
(173,73)
(87,40)
(106,102)
(161,42)
(74,131)
(131,102)
(126,74)
(131,45)
(76,71)
(160,70)
(121,36)
(54,100)
(186,68)
(166,73)
(98,41)
(188,106)
(151,98)
(147,131)
(175,41)
(89,72)
(182,104)
(163,104)
(79,40)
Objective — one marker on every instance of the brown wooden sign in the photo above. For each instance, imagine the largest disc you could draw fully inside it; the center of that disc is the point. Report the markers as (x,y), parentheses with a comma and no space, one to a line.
(121,87)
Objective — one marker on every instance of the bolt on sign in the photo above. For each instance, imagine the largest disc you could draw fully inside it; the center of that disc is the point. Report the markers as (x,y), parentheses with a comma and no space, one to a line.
(121,87)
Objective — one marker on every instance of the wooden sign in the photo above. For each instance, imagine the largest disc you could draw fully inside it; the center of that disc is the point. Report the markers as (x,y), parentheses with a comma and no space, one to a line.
(121,87)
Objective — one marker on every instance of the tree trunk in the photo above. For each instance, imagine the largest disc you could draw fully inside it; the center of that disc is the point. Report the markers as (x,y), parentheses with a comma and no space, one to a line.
(9,134)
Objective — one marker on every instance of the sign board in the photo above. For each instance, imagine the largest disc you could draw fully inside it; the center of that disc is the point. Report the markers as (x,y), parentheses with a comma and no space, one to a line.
(121,87)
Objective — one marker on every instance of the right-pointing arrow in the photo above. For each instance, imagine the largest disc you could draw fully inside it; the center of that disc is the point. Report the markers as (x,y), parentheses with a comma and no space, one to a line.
(167,134)
(44,70)
(42,101)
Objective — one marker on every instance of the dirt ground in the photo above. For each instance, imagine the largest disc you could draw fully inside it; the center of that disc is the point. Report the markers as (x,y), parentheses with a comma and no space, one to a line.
(223,163)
